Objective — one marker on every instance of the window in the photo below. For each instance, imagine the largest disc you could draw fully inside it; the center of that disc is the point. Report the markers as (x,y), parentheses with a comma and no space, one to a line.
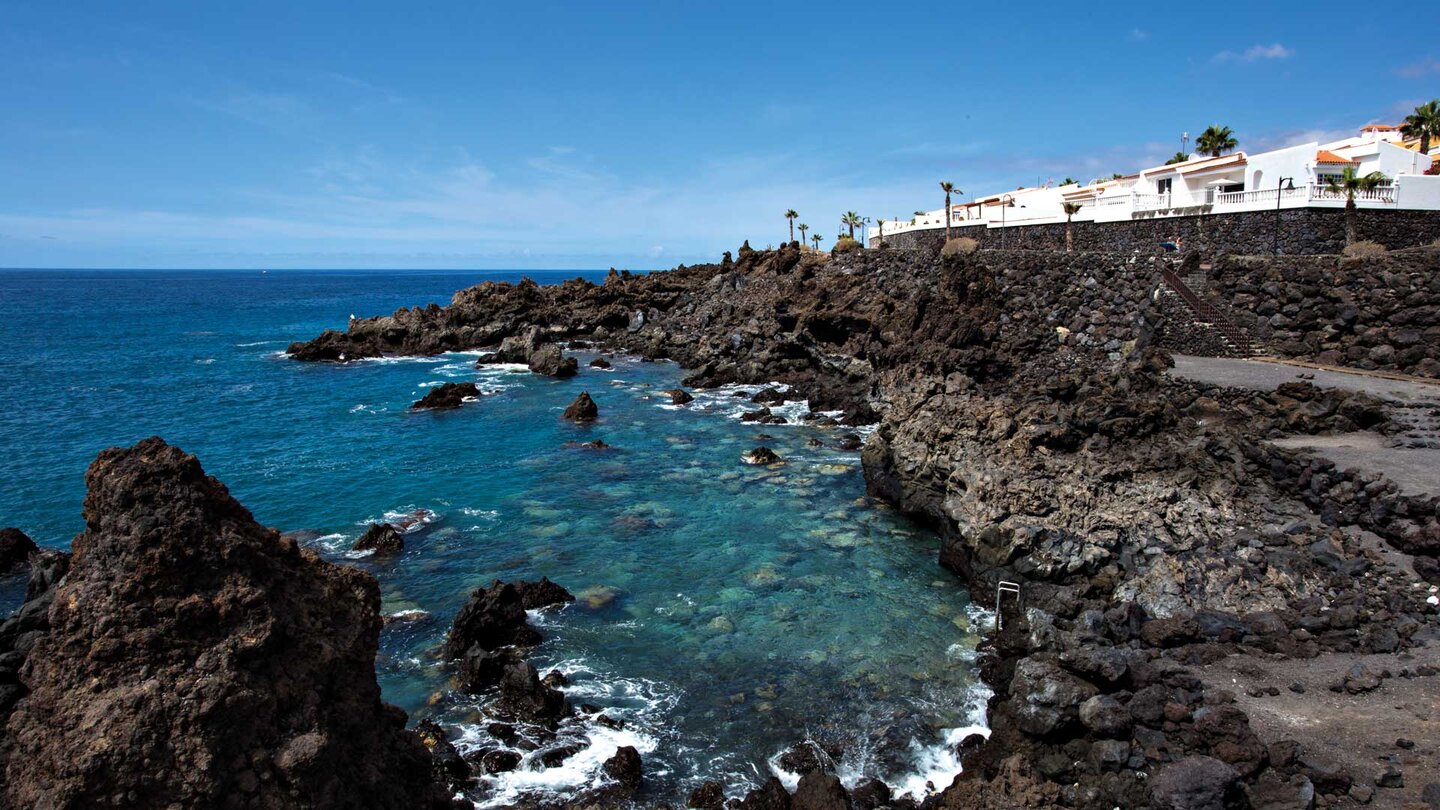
(1163,186)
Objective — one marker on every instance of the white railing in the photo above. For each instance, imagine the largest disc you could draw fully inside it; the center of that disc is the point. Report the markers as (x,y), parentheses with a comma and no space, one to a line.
(1382,194)
(1261,195)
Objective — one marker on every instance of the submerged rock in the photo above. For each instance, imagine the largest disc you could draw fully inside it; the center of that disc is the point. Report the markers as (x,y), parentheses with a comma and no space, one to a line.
(600,363)
(380,538)
(15,549)
(173,640)
(583,409)
(446,396)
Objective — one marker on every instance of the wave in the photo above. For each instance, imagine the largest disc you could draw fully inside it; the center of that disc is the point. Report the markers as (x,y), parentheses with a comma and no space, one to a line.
(258,343)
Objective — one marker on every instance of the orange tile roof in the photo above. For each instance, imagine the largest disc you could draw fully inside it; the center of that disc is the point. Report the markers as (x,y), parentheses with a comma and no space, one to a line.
(1326,156)
(1379,128)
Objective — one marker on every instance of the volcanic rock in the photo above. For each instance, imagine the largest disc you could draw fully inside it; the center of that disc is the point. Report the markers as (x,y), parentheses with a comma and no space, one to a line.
(820,791)
(380,538)
(15,549)
(524,697)
(760,455)
(173,640)
(446,396)
(769,796)
(550,361)
(493,618)
(679,396)
(1194,783)
(542,594)
(601,363)
(583,409)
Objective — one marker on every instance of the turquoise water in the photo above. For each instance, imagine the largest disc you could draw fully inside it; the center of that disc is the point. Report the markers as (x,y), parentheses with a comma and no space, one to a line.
(737,609)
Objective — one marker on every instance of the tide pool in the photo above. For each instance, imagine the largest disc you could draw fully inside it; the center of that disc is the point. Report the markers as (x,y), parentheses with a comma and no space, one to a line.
(726,610)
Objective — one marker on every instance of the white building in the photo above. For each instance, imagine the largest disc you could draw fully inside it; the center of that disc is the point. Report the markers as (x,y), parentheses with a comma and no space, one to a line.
(1294,177)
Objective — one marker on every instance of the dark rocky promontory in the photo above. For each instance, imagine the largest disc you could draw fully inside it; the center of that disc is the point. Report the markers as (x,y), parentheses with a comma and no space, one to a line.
(184,654)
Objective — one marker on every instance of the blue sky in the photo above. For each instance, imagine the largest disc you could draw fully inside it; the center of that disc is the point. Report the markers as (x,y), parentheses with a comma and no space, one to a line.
(592,134)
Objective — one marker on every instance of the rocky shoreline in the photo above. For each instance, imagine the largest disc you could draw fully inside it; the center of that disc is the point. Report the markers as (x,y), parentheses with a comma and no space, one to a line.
(1021,411)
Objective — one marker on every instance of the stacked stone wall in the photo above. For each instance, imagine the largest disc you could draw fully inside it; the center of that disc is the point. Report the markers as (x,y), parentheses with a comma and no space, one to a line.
(1302,231)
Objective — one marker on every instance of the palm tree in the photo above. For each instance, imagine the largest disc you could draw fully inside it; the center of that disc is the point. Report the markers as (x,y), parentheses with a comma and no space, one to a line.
(852,220)
(880,226)
(816,239)
(948,187)
(1424,124)
(1069,181)
(1349,182)
(791,215)
(803,229)
(1071,209)
(1216,140)
(1180,157)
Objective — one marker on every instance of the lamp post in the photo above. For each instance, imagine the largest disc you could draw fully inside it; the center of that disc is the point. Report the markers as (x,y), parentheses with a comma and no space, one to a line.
(1005,202)
(1282,185)
(1184,142)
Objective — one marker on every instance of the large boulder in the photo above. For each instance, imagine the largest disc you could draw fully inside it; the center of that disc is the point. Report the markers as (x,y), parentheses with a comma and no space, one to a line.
(1195,783)
(542,594)
(550,361)
(524,697)
(820,791)
(1045,698)
(493,618)
(583,409)
(380,538)
(15,549)
(187,653)
(446,396)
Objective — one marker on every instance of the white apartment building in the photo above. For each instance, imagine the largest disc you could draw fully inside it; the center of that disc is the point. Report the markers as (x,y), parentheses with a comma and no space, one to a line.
(1293,177)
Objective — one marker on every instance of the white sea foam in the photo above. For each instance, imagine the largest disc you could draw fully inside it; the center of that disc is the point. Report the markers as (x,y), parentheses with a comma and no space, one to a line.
(935,766)
(488,514)
(641,704)
(258,343)
(204,361)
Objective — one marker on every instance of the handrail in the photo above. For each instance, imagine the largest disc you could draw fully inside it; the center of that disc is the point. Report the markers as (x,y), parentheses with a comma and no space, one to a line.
(1209,313)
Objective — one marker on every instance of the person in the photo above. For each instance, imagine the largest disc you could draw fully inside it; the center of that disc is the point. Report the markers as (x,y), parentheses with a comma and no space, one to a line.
(1171,245)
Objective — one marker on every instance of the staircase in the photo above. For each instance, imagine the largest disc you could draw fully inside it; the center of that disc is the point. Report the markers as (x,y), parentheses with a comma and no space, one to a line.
(1192,292)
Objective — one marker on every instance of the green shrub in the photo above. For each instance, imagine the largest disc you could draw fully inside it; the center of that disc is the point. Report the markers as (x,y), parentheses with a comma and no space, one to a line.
(845,244)
(960,245)
(1366,250)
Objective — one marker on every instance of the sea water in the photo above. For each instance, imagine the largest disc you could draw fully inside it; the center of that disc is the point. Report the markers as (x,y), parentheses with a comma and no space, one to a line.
(726,612)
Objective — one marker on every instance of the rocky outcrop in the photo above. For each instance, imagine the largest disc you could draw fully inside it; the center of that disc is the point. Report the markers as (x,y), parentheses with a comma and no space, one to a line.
(380,538)
(446,396)
(15,550)
(760,455)
(583,409)
(186,648)
(679,396)
(551,362)
(27,625)
(1025,416)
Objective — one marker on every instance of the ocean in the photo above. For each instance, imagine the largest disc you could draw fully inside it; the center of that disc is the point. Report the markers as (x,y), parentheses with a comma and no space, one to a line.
(730,611)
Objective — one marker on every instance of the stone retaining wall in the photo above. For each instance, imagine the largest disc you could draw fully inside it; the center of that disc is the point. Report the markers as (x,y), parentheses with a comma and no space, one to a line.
(1303,231)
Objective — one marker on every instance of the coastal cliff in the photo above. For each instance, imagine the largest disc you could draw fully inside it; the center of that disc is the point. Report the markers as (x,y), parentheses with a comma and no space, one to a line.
(1024,414)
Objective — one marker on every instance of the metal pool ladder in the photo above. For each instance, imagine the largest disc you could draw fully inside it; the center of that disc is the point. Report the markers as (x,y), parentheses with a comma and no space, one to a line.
(1004,587)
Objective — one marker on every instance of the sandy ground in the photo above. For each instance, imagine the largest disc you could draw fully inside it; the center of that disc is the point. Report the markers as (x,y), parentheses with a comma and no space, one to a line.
(1358,732)
(1415,469)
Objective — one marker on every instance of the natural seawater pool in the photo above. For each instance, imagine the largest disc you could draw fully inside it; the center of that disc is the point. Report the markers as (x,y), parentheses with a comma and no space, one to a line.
(735,609)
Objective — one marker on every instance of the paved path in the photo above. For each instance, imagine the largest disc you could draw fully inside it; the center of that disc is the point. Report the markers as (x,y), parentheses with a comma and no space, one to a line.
(1415,469)
(1266,376)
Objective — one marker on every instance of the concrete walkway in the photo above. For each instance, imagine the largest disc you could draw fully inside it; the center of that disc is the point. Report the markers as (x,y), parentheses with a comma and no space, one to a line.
(1267,375)
(1415,469)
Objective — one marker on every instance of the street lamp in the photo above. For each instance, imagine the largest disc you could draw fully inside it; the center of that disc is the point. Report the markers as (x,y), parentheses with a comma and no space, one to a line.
(1184,142)
(1281,186)
(1005,202)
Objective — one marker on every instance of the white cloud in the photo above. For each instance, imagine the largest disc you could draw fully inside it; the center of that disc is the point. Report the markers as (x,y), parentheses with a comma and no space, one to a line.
(1255,53)
(1139,35)
(1420,69)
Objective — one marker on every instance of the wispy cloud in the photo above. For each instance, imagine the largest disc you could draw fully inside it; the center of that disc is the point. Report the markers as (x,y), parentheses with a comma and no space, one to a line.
(1139,35)
(269,110)
(1420,69)
(1254,53)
